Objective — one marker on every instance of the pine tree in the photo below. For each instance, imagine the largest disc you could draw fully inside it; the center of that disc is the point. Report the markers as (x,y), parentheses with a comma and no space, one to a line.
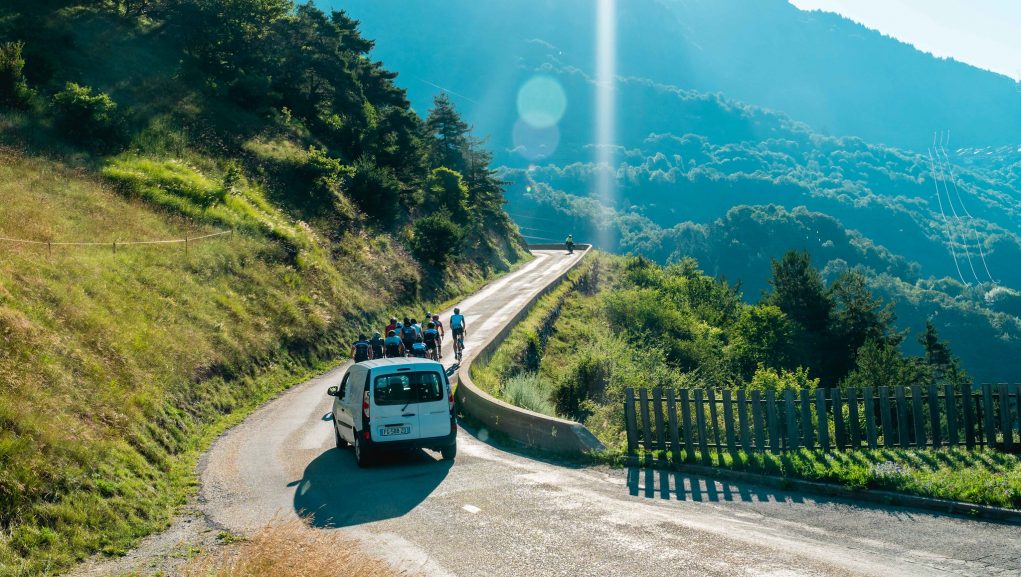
(449,133)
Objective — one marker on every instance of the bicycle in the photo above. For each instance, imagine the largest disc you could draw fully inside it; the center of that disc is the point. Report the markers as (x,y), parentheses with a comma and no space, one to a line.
(458,346)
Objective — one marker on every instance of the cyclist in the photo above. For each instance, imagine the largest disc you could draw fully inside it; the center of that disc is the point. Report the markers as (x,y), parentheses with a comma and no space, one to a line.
(570,244)
(361,350)
(377,344)
(459,328)
(431,337)
(408,335)
(443,334)
(418,327)
(418,348)
(390,327)
(394,345)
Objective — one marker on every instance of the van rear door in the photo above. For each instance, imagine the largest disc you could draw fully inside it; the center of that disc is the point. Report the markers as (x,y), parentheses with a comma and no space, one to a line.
(394,412)
(435,407)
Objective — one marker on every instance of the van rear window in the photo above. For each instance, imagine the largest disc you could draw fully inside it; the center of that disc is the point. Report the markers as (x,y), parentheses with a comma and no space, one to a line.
(404,388)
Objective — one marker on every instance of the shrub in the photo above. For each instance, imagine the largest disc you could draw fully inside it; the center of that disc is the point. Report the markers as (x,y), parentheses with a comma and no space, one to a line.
(436,238)
(14,91)
(769,379)
(376,190)
(85,117)
(530,391)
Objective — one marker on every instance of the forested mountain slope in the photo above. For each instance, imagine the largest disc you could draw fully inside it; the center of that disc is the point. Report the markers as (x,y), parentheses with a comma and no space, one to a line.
(150,121)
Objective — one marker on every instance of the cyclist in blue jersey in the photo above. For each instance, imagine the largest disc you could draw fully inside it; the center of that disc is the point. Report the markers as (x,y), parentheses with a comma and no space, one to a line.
(431,338)
(393,345)
(443,334)
(459,328)
(378,345)
(418,349)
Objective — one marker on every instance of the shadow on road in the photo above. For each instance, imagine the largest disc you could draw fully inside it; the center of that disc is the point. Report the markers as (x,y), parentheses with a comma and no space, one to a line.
(671,485)
(335,492)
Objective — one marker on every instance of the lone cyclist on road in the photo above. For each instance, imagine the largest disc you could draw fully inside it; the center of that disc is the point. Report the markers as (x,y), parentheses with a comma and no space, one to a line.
(570,243)
(458,325)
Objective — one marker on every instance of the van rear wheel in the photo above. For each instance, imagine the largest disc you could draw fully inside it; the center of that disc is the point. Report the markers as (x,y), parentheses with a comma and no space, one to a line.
(361,452)
(449,453)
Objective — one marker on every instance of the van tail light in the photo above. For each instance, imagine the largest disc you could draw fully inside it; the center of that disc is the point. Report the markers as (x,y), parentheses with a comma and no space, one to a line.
(365,405)
(450,400)
(365,434)
(453,426)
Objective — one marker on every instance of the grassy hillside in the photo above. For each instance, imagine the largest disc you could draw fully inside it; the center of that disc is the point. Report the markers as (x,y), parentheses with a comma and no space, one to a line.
(148,121)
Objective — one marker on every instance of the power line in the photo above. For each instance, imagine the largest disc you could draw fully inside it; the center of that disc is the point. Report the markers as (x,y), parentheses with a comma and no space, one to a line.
(974,229)
(950,201)
(939,198)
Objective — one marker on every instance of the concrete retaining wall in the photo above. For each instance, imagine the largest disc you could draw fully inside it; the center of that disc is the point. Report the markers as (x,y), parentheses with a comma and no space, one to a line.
(531,429)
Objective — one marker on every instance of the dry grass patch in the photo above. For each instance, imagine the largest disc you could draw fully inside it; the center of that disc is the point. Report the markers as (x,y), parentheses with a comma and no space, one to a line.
(291,549)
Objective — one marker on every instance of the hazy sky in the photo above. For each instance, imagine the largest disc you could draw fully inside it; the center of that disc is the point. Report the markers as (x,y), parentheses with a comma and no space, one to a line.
(983,33)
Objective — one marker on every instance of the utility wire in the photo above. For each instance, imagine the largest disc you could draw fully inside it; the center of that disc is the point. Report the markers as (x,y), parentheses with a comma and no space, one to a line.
(974,229)
(957,219)
(932,167)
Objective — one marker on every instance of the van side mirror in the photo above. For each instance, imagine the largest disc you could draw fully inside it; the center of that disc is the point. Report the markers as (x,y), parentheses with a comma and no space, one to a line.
(332,391)
(452,369)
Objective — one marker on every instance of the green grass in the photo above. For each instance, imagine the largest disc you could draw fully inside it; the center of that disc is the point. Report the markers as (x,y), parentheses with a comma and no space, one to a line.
(982,477)
(118,369)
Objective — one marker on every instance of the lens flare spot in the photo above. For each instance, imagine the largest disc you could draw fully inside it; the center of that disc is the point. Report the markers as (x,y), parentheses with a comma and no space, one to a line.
(542,102)
(534,143)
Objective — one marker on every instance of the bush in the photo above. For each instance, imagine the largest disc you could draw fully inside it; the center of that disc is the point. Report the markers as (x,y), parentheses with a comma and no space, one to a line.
(376,190)
(85,117)
(14,91)
(324,173)
(530,391)
(769,379)
(436,239)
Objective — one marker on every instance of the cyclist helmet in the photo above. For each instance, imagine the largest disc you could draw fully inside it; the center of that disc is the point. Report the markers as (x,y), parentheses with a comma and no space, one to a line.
(361,337)
(436,317)
(457,311)
(377,335)
(391,334)
(432,325)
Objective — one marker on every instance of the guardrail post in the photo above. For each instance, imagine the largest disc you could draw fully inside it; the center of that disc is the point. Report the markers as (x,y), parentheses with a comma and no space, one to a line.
(631,419)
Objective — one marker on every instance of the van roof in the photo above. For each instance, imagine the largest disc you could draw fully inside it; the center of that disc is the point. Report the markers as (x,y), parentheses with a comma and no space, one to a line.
(404,362)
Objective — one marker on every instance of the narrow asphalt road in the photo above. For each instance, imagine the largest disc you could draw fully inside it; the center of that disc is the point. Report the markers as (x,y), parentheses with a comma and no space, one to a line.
(494,513)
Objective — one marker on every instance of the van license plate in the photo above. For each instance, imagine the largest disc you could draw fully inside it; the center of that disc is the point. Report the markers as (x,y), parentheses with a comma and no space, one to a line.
(388,431)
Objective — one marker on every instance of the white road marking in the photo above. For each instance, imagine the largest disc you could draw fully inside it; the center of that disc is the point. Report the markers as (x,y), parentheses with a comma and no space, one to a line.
(472,509)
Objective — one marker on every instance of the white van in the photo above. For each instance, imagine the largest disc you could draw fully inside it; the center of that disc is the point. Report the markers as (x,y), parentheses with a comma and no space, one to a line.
(393,404)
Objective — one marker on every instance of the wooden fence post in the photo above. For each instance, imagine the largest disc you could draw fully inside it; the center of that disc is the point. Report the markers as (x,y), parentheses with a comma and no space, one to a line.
(772,418)
(884,414)
(949,400)
(989,420)
(630,419)
(671,407)
(919,416)
(1006,423)
(657,410)
(840,439)
(728,423)
(806,420)
(703,444)
(854,427)
(742,421)
(934,420)
(792,420)
(713,414)
(758,426)
(643,400)
(823,419)
(968,416)
(869,406)
(689,443)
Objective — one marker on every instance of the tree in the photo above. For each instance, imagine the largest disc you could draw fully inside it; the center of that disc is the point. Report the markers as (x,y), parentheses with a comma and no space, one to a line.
(764,336)
(446,189)
(376,191)
(86,117)
(945,366)
(799,292)
(14,90)
(449,135)
(857,316)
(880,364)
(436,239)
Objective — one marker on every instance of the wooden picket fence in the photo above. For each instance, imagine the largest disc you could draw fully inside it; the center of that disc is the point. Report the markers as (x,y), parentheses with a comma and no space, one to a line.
(664,423)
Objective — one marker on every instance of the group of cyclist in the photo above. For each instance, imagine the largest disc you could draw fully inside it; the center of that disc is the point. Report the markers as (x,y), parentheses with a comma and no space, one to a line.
(409,338)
